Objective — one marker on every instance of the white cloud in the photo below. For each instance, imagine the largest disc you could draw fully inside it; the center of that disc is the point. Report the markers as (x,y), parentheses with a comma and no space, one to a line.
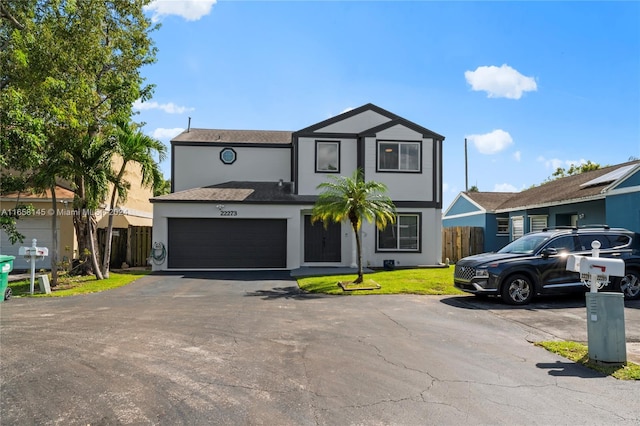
(166,134)
(190,10)
(169,108)
(500,82)
(555,163)
(517,156)
(504,187)
(491,143)
(346,110)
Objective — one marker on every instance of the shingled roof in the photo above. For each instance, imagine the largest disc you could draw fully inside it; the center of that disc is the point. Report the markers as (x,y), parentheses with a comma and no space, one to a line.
(490,200)
(249,192)
(571,189)
(234,136)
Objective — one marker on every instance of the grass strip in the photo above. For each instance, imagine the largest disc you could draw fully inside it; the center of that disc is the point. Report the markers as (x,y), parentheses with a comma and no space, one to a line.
(579,353)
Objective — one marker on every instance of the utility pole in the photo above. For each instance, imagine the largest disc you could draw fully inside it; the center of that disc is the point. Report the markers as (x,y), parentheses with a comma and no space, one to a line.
(466,168)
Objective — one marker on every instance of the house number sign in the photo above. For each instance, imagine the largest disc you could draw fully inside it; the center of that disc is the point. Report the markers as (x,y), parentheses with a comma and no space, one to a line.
(228,213)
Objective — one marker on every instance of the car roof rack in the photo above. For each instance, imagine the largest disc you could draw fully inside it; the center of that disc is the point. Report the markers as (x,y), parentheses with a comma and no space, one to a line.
(551,228)
(595,225)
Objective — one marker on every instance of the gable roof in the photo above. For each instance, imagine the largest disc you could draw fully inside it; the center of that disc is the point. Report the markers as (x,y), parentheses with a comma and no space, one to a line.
(582,187)
(234,136)
(568,189)
(393,120)
(274,137)
(489,200)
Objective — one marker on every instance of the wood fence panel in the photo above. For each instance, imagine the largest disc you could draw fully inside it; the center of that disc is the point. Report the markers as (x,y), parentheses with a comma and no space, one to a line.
(139,245)
(118,246)
(461,241)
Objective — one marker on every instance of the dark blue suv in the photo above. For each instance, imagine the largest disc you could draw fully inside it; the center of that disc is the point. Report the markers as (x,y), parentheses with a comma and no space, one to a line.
(536,264)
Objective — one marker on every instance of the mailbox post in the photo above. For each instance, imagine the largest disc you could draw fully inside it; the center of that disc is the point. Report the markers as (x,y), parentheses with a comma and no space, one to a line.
(605,310)
(32,254)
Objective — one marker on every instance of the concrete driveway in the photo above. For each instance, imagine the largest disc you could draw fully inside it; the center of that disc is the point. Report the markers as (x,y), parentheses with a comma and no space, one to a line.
(248,348)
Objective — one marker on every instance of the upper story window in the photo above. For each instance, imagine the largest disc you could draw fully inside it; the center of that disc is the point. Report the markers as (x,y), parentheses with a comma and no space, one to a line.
(327,156)
(396,156)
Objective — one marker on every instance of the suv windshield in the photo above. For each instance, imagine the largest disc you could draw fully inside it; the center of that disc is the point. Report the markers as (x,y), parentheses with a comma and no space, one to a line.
(526,244)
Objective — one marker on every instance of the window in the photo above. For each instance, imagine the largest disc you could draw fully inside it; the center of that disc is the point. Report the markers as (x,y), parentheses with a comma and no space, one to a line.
(503,225)
(517,226)
(399,156)
(404,235)
(228,156)
(327,156)
(537,223)
(586,240)
(563,244)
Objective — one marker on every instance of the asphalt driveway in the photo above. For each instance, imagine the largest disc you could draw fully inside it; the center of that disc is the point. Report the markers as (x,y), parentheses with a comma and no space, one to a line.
(247,348)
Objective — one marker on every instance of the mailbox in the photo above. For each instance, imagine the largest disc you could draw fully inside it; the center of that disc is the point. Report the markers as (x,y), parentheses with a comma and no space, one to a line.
(573,262)
(33,251)
(602,267)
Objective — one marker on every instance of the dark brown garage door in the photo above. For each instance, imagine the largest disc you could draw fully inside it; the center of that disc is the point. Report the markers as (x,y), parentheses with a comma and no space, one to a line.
(226,243)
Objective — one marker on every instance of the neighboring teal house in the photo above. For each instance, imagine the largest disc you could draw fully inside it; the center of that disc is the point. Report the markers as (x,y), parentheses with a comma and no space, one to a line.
(610,195)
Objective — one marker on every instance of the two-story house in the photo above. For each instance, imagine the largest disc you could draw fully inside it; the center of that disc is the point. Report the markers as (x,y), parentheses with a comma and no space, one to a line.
(242,199)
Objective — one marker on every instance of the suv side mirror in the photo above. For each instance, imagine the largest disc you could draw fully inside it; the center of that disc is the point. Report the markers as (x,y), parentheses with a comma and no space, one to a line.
(549,251)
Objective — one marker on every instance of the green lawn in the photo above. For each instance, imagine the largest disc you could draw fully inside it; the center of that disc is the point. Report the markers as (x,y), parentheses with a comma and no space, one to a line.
(579,353)
(435,281)
(69,286)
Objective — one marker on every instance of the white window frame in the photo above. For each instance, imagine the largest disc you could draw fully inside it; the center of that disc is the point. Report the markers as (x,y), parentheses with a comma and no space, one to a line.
(328,170)
(399,168)
(538,222)
(517,227)
(499,226)
(397,225)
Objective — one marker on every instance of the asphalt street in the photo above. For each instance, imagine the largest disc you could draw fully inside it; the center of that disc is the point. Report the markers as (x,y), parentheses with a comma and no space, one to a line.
(250,349)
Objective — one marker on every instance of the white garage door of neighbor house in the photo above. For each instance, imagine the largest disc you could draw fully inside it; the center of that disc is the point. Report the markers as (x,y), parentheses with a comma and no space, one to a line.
(31,227)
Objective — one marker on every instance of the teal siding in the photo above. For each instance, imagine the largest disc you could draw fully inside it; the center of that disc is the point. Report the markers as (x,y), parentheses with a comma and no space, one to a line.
(462,206)
(624,211)
(633,180)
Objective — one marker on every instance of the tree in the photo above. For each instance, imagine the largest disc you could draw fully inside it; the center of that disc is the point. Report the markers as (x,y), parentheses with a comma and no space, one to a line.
(353,199)
(163,188)
(474,188)
(70,69)
(575,169)
(132,146)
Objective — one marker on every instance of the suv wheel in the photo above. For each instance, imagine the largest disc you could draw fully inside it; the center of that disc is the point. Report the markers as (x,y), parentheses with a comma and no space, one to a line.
(630,285)
(517,290)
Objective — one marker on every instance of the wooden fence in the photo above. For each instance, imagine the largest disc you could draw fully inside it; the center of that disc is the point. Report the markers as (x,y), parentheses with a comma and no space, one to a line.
(461,241)
(129,245)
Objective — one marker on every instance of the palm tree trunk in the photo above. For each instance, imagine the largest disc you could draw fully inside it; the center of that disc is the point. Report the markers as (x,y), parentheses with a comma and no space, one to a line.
(359,252)
(54,234)
(107,245)
(92,246)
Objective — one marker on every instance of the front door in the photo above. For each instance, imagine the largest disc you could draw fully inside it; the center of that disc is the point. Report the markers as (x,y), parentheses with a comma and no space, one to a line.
(320,244)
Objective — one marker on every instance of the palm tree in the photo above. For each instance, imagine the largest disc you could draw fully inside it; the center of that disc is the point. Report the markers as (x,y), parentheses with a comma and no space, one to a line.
(88,164)
(133,146)
(356,200)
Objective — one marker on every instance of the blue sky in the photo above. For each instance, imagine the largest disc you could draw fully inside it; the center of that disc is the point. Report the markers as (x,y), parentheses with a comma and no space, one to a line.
(532,85)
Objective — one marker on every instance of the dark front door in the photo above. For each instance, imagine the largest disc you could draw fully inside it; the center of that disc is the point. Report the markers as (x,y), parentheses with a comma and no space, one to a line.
(320,244)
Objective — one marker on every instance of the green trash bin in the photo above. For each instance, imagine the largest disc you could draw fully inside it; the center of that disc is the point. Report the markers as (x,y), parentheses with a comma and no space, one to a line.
(6,266)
